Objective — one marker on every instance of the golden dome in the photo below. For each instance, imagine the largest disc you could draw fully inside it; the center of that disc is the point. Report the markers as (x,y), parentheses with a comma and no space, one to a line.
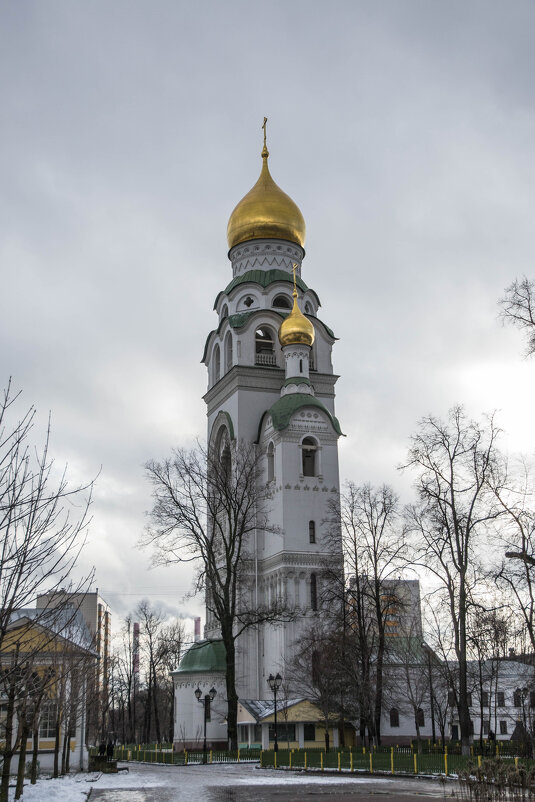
(266,212)
(296,329)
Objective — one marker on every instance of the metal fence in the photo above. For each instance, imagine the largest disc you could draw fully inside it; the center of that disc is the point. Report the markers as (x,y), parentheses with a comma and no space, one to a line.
(383,760)
(163,754)
(387,760)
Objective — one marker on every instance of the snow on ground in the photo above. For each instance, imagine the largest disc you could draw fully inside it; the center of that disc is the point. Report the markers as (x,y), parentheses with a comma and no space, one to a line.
(184,782)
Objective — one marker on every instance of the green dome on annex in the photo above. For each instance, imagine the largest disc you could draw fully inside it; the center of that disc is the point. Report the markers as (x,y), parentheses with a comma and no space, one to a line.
(204,656)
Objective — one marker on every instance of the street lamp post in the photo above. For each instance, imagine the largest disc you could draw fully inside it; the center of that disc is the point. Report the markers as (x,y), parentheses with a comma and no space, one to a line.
(274,683)
(209,697)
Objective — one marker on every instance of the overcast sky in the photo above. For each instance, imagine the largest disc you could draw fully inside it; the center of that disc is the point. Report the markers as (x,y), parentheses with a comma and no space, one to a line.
(405,132)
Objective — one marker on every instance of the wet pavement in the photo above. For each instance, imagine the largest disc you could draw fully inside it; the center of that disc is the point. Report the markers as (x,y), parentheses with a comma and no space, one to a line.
(247,783)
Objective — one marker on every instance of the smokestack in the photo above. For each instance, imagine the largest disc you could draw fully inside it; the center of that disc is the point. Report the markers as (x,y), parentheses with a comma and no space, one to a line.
(197,629)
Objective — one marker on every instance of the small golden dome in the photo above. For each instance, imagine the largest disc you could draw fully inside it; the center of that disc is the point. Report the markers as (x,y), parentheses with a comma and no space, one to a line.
(296,329)
(266,212)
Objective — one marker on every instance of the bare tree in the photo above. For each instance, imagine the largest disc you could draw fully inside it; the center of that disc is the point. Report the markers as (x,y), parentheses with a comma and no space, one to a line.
(208,505)
(455,461)
(409,678)
(518,308)
(40,537)
(374,553)
(516,537)
(317,669)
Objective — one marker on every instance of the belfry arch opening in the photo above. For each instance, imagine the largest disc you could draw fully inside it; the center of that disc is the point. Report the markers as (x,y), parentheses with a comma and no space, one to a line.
(264,346)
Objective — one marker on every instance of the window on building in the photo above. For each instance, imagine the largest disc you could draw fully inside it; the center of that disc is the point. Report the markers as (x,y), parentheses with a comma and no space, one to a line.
(517,698)
(312,531)
(282,302)
(471,730)
(285,731)
(228,352)
(501,698)
(451,698)
(469,699)
(486,727)
(503,727)
(420,717)
(485,699)
(394,717)
(270,462)
(308,308)
(224,312)
(532,698)
(47,724)
(249,301)
(313,592)
(309,731)
(308,449)
(217,364)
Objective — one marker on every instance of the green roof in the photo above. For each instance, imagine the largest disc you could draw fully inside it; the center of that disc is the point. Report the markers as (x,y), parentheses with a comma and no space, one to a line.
(205,655)
(281,412)
(296,380)
(265,278)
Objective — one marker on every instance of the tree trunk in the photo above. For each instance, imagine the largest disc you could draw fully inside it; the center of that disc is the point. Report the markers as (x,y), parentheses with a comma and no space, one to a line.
(24,732)
(232,696)
(35,755)
(155,700)
(56,746)
(64,748)
(9,748)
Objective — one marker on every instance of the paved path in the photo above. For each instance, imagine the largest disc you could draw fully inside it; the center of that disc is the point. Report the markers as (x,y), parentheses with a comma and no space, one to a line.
(246,783)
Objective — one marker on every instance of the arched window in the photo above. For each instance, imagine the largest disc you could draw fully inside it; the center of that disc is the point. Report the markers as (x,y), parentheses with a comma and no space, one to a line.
(228,352)
(270,462)
(282,302)
(224,312)
(313,592)
(394,717)
(308,449)
(517,698)
(308,308)
(420,718)
(217,364)
(226,462)
(312,531)
(300,366)
(264,347)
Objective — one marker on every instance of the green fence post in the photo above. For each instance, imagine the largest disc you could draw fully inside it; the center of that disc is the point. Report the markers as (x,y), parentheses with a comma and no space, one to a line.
(371,762)
(305,760)
(321,760)
(392,759)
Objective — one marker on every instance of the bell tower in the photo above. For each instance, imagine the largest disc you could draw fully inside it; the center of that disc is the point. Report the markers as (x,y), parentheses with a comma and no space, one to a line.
(271,385)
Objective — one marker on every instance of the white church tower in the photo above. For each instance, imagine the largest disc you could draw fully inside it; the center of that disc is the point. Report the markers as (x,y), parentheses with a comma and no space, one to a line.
(271,384)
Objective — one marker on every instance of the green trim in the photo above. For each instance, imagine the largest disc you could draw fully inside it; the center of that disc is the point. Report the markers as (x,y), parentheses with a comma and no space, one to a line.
(239,319)
(297,380)
(204,656)
(264,278)
(230,425)
(282,410)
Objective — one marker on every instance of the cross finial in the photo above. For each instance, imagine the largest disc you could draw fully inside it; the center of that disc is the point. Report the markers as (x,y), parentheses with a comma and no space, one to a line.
(265,152)
(295,268)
